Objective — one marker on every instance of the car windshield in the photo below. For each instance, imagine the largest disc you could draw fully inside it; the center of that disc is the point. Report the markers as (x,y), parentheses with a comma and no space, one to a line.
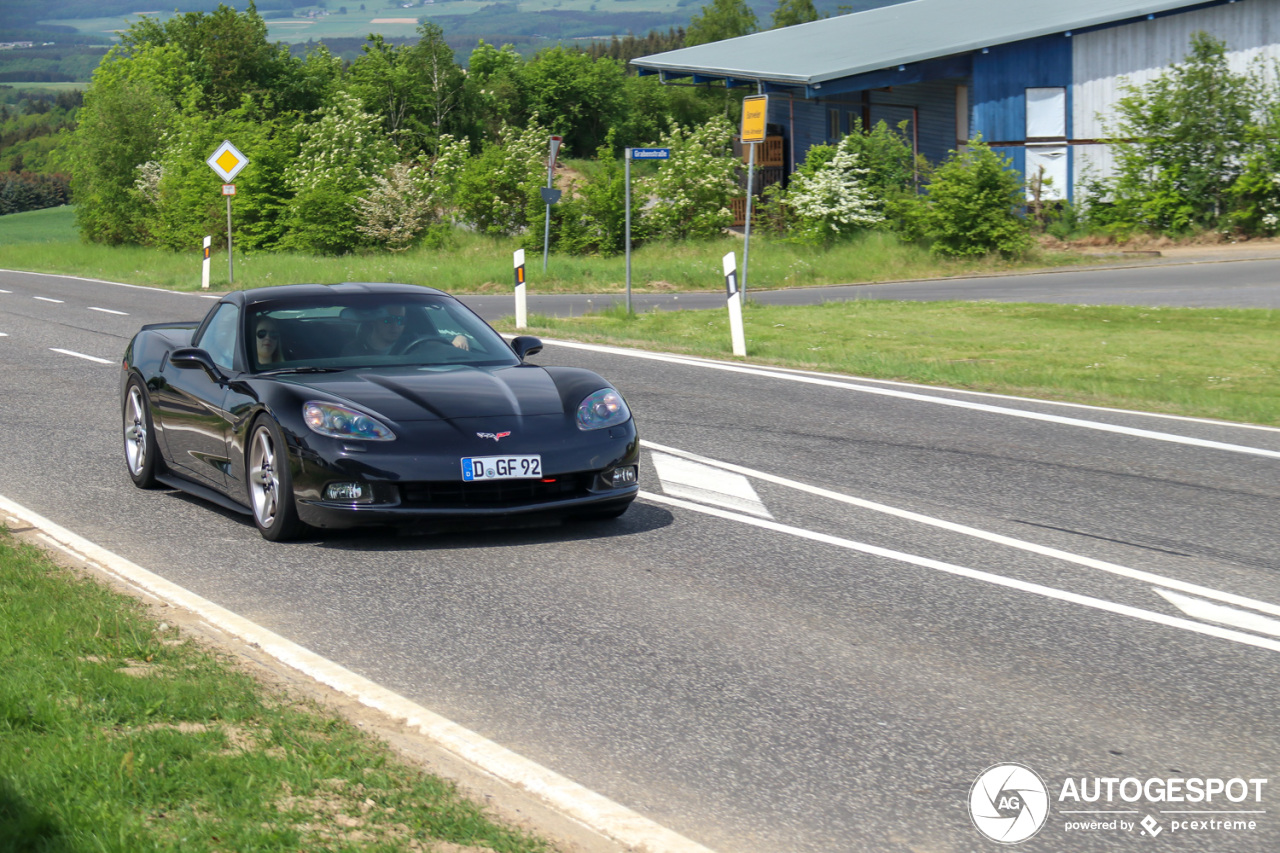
(346,331)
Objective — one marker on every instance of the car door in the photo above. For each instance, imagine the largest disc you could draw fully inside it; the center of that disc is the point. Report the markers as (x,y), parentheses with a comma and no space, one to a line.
(192,405)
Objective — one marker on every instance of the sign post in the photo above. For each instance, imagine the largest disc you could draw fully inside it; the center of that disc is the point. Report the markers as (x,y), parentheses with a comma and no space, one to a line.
(522,314)
(204,265)
(637,154)
(227,161)
(736,333)
(550,196)
(755,113)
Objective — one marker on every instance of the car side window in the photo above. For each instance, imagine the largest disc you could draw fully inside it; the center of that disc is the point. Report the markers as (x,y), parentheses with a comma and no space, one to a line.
(219,338)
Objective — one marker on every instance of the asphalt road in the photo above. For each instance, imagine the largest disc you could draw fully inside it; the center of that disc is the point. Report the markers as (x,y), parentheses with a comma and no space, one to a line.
(837,602)
(1205,282)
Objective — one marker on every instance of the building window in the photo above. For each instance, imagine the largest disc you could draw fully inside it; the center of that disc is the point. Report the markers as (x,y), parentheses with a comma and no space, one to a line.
(833,124)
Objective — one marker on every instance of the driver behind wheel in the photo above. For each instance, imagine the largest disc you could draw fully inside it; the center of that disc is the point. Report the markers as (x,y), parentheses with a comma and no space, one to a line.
(380,334)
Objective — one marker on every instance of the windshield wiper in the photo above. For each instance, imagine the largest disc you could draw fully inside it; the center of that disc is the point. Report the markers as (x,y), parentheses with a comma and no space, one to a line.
(283,370)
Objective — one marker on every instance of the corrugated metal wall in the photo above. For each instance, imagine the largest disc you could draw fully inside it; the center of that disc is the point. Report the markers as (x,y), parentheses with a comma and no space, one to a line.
(1105,60)
(1001,77)
(809,123)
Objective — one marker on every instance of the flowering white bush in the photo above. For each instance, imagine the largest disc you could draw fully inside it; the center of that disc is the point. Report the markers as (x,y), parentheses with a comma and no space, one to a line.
(497,192)
(691,191)
(833,200)
(341,156)
(410,198)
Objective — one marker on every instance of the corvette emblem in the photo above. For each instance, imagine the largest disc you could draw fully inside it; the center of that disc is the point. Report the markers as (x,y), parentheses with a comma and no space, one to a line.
(496,436)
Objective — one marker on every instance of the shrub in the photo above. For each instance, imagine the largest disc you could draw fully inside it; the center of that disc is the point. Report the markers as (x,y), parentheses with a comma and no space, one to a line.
(691,191)
(972,206)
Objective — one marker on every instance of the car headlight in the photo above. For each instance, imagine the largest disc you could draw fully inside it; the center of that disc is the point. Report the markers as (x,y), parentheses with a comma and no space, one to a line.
(340,422)
(604,408)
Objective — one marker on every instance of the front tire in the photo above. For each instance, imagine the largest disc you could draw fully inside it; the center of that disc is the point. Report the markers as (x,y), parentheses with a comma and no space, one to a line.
(139,436)
(271,484)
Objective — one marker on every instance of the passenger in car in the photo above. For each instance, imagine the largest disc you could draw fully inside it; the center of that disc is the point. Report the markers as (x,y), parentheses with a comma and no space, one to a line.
(267,341)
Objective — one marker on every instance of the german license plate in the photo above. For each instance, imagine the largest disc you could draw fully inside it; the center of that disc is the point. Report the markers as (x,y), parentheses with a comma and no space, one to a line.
(501,468)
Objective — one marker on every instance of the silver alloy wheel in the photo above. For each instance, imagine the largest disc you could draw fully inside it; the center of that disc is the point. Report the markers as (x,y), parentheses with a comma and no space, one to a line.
(264,482)
(135,432)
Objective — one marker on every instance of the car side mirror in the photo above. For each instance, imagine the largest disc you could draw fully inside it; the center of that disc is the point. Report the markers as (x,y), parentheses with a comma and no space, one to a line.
(526,345)
(193,358)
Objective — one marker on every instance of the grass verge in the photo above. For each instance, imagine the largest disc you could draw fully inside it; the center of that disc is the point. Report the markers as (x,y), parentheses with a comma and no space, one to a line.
(1200,362)
(116,734)
(47,241)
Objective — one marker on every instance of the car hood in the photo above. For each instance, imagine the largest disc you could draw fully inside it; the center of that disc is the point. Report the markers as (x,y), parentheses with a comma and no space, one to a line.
(442,393)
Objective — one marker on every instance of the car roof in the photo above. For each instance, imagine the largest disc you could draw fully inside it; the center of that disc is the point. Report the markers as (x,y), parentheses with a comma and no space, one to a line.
(295,291)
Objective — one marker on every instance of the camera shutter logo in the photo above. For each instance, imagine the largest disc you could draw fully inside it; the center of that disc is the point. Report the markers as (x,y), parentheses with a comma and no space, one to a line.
(1008,803)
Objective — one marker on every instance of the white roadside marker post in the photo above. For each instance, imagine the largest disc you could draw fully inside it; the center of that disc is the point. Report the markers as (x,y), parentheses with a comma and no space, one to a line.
(522,314)
(735,305)
(204,272)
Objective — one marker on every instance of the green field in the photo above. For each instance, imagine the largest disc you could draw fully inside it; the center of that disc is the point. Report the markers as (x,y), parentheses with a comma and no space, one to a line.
(386,18)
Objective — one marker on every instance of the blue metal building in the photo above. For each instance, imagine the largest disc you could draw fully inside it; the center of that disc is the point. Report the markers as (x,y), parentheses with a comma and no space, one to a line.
(1036,79)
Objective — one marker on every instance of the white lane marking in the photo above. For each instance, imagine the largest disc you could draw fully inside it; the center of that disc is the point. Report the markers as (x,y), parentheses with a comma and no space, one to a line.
(1198,608)
(109,311)
(849,385)
(112,283)
(999,539)
(684,478)
(6,291)
(4,334)
(582,804)
(976,574)
(48,299)
(82,355)
(1060,403)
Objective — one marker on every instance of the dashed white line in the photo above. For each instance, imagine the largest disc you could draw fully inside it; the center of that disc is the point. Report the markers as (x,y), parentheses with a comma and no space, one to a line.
(6,291)
(82,355)
(978,575)
(109,311)
(48,299)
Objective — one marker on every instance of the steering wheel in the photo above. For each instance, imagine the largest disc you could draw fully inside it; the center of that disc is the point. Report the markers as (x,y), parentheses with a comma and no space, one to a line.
(424,342)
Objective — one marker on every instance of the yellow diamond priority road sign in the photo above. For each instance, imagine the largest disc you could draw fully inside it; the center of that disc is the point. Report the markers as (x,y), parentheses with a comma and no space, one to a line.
(227,161)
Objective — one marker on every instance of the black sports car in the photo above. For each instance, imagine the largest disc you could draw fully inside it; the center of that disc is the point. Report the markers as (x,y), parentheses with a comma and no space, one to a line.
(339,405)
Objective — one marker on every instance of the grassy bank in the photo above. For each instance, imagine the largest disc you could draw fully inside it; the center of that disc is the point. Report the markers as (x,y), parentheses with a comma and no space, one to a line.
(1200,362)
(46,241)
(116,734)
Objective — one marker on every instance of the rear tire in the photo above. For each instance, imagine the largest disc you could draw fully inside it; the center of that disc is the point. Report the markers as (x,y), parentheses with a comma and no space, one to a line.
(139,437)
(271,484)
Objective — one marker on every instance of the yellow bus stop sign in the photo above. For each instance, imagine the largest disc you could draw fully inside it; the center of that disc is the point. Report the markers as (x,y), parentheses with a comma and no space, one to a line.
(754,112)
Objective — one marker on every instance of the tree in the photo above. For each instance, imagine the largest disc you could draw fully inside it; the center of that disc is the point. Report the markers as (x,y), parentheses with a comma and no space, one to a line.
(417,89)
(224,52)
(127,111)
(410,200)
(575,96)
(792,12)
(340,157)
(1182,141)
(693,188)
(497,192)
(719,20)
